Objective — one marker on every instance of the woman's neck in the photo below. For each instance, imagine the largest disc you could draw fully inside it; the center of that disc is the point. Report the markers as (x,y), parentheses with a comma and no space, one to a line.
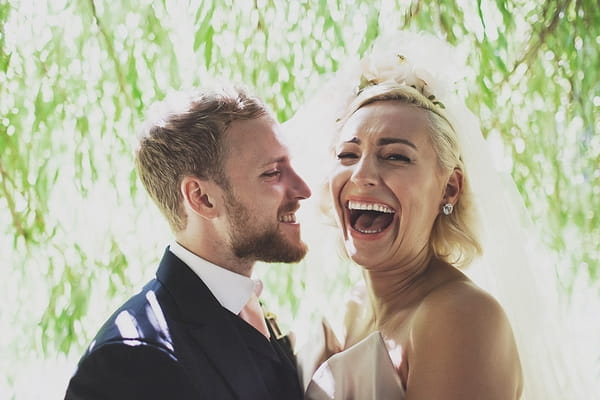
(395,290)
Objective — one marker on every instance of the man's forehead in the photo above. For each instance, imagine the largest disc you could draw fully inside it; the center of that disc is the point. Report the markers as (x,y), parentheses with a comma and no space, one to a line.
(259,142)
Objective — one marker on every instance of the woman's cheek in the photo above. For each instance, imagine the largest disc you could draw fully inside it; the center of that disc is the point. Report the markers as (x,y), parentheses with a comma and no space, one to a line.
(336,185)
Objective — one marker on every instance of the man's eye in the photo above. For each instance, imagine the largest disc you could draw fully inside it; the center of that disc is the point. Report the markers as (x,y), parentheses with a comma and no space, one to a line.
(271,174)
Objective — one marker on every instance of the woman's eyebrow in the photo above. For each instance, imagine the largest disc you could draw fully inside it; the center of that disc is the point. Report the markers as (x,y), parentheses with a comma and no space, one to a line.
(384,141)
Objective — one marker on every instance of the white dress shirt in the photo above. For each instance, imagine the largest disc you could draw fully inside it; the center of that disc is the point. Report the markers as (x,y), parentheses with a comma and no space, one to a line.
(231,289)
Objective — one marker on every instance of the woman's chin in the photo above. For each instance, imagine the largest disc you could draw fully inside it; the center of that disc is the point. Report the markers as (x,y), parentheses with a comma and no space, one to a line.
(364,249)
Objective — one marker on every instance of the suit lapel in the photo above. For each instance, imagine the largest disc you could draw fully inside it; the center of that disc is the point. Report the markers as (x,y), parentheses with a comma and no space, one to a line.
(212,328)
(287,364)
(223,345)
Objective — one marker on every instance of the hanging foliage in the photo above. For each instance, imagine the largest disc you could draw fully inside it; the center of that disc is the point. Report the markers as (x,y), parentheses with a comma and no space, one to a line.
(78,233)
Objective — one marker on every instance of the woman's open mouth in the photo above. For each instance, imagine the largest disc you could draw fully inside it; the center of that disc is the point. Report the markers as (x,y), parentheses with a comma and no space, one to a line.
(369,217)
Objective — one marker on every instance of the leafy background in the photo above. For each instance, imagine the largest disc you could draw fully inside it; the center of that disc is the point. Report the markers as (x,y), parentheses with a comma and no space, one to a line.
(77,232)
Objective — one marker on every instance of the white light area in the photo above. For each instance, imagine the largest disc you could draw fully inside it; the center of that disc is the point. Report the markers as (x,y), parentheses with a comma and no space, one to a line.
(293,11)
(582,326)
(324,379)
(106,212)
(227,43)
(522,25)
(37,379)
(502,161)
(473,21)
(519,145)
(158,316)
(181,26)
(127,325)
(578,179)
(395,352)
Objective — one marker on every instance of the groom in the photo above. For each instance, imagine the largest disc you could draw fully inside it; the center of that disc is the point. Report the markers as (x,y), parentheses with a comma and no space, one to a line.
(219,172)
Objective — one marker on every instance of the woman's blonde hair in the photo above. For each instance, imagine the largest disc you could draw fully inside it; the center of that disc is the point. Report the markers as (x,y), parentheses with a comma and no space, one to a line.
(453,237)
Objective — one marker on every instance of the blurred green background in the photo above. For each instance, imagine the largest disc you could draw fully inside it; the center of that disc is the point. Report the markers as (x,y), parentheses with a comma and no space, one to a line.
(78,233)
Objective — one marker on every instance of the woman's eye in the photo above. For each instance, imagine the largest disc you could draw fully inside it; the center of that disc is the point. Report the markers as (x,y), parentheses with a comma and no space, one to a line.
(346,156)
(397,157)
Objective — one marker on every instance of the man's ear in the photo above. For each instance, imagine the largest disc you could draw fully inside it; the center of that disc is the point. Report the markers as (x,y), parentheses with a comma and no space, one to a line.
(199,196)
(454,187)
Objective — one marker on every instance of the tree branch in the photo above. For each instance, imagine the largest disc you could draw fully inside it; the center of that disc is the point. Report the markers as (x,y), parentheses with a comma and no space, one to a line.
(11,202)
(414,8)
(535,47)
(111,53)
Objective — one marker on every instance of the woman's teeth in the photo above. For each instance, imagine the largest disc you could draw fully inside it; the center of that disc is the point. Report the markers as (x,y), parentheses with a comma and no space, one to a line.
(369,217)
(360,205)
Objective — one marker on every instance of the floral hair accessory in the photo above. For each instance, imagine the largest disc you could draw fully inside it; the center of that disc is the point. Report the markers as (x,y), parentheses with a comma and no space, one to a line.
(399,69)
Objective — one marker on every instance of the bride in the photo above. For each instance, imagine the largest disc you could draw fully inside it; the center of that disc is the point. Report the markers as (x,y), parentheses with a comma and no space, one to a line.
(417,202)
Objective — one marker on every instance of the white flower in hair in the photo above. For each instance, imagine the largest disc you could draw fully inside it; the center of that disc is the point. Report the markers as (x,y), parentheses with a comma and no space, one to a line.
(422,62)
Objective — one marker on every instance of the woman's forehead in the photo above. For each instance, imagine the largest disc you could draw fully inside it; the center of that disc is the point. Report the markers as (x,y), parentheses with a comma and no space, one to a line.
(385,117)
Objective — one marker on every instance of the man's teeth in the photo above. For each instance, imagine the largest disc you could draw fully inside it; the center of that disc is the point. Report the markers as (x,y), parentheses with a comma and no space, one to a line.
(360,205)
(290,218)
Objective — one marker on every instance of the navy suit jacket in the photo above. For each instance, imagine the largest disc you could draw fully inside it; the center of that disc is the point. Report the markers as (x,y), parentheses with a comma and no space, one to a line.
(173,340)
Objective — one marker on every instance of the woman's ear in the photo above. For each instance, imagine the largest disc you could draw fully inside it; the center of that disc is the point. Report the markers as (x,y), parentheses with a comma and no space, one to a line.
(199,196)
(454,187)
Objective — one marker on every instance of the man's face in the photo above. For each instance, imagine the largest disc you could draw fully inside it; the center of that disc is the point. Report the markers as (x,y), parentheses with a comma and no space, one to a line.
(263,195)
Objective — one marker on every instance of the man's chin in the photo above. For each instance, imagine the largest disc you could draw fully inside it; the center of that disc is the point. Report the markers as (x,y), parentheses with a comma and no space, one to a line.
(271,248)
(287,254)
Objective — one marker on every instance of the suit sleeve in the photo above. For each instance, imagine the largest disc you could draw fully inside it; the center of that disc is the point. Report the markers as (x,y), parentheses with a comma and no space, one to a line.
(121,371)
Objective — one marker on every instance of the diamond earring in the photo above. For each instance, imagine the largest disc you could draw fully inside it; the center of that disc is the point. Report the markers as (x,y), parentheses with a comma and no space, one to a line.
(447,208)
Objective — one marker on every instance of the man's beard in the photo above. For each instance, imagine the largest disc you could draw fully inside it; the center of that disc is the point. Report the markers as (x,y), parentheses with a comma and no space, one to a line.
(259,242)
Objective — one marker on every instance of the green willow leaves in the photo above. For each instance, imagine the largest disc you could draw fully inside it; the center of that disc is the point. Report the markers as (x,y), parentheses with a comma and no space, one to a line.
(76,77)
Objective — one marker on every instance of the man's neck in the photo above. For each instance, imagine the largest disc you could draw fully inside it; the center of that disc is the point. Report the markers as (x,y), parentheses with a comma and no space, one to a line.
(218,253)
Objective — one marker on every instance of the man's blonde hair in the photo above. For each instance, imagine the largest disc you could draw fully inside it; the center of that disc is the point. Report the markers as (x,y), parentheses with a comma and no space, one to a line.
(188,141)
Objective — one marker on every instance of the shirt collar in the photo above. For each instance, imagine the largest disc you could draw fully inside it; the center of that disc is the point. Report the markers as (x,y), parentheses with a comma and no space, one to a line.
(231,289)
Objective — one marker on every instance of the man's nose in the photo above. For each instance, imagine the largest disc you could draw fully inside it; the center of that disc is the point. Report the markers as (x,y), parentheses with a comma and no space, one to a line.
(298,188)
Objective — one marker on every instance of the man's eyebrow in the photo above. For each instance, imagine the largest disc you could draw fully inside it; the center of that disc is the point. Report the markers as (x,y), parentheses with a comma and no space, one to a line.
(275,160)
(387,140)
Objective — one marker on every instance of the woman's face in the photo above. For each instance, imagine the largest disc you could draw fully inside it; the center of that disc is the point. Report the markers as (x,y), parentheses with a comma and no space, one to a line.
(387,185)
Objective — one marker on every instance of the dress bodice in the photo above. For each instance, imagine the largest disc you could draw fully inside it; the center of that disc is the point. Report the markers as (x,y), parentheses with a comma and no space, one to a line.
(363,371)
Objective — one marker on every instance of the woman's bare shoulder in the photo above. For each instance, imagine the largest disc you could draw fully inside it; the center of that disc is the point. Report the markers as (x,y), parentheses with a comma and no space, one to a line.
(461,293)
(461,305)
(459,324)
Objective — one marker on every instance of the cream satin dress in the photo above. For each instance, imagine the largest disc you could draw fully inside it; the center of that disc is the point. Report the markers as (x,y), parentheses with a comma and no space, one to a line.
(362,372)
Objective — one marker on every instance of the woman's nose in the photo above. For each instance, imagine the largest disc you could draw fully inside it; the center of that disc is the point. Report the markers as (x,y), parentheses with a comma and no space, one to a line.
(365,173)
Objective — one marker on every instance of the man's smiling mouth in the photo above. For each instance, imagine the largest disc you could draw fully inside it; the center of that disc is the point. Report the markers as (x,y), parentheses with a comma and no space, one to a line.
(369,217)
(289,218)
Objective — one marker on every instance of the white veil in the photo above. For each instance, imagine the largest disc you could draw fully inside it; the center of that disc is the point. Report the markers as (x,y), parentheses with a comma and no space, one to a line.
(514,268)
